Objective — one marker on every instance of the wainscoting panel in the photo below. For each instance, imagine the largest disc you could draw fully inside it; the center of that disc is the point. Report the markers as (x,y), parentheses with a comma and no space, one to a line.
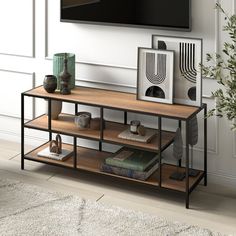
(12,84)
(17,23)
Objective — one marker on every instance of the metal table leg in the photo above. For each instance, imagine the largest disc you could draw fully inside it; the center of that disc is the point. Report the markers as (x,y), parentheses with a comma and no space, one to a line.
(205,145)
(160,161)
(22,131)
(187,166)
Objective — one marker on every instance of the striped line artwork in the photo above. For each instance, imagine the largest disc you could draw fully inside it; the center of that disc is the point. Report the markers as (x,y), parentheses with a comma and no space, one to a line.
(158,64)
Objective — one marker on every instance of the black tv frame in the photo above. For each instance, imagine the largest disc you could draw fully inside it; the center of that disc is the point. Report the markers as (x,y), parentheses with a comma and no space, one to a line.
(131,25)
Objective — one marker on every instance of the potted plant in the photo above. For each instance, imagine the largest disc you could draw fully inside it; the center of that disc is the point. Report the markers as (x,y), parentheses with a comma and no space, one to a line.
(223,69)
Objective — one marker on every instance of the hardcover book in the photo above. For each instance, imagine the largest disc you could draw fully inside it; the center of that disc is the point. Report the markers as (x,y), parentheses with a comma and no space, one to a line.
(132,159)
(140,175)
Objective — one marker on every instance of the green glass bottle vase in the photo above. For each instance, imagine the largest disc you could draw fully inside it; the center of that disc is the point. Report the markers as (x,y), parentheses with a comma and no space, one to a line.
(58,65)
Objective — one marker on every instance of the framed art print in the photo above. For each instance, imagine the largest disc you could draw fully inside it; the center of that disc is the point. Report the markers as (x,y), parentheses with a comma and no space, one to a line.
(155,75)
(187,72)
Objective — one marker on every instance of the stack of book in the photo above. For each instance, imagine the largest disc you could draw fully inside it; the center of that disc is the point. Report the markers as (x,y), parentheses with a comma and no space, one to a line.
(131,163)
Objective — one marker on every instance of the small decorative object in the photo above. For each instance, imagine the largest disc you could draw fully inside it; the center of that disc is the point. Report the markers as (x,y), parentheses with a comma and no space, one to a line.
(137,128)
(82,120)
(134,124)
(50,83)
(96,123)
(178,154)
(56,107)
(193,139)
(54,150)
(65,77)
(56,145)
(187,77)
(155,75)
(222,68)
(141,130)
(58,65)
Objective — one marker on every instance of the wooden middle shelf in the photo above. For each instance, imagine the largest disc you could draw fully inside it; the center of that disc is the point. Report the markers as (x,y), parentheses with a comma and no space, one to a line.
(65,125)
(91,160)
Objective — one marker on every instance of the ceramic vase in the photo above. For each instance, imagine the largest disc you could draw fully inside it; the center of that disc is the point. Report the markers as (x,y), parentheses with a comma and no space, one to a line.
(56,107)
(50,83)
(65,78)
(58,65)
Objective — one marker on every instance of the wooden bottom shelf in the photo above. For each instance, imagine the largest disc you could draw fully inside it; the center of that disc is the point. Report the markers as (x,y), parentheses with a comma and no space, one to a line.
(91,160)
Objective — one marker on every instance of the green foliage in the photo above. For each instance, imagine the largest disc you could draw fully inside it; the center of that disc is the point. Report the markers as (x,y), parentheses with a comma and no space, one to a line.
(223,69)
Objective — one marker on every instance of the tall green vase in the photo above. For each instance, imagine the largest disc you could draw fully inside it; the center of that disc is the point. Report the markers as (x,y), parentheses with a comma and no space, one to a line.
(58,65)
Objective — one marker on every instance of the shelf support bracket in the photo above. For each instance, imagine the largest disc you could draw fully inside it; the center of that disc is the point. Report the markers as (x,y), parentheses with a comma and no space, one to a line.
(160,149)
(187,166)
(50,118)
(205,145)
(125,117)
(101,128)
(180,126)
(75,141)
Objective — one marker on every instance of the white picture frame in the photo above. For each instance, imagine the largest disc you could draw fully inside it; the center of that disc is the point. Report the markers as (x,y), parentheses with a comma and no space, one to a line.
(187,71)
(155,75)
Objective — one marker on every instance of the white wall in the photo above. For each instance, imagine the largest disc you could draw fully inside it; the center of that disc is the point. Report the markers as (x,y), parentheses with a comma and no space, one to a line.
(106,57)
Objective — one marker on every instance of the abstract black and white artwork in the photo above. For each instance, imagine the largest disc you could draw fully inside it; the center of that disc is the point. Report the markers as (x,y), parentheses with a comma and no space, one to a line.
(155,75)
(187,72)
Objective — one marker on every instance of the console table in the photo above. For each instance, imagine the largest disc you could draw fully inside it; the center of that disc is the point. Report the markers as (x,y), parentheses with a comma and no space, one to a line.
(89,159)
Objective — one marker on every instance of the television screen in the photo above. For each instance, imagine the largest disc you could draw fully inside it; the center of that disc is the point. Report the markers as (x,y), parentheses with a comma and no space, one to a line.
(168,14)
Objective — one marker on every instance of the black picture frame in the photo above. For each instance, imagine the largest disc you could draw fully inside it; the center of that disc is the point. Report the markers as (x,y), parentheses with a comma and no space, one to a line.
(185,92)
(158,87)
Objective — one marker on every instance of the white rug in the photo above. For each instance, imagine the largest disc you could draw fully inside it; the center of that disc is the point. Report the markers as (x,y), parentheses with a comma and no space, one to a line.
(29,210)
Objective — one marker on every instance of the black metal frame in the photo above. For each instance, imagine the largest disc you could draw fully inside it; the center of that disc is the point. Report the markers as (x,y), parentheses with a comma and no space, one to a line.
(188,190)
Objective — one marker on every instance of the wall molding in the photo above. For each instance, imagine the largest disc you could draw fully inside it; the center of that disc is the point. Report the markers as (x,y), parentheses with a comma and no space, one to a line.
(234,134)
(46,30)
(233,6)
(217,29)
(105,83)
(33,78)
(33,37)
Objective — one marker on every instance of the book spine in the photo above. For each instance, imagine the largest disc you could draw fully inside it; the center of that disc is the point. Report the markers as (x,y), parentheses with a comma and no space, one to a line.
(128,173)
(130,166)
(123,172)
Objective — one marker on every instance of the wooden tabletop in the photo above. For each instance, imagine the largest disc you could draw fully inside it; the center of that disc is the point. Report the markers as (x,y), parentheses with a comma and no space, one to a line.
(118,100)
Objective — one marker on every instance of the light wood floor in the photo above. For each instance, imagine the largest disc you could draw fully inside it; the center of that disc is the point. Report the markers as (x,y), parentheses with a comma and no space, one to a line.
(212,207)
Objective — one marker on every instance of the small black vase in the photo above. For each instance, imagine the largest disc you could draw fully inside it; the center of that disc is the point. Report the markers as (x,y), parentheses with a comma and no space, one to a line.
(50,83)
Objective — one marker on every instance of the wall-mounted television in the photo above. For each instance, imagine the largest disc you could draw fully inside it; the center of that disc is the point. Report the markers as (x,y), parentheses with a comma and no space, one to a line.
(167,14)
